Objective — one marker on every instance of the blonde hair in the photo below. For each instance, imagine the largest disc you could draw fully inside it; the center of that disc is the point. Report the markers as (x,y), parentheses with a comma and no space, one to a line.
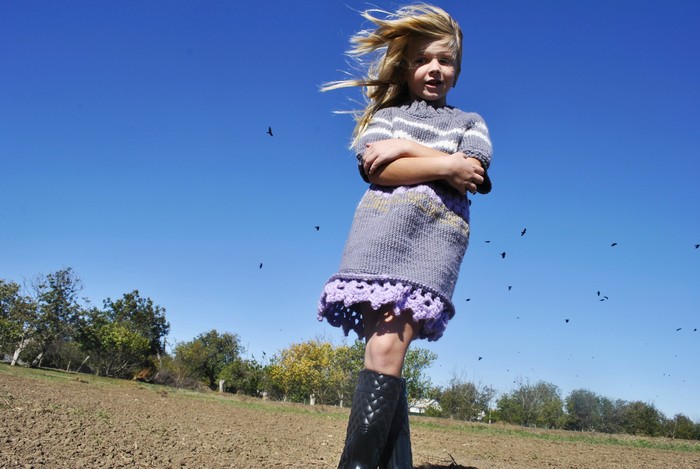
(385,83)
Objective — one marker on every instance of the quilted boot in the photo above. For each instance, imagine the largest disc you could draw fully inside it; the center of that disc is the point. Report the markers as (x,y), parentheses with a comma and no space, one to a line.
(397,452)
(370,420)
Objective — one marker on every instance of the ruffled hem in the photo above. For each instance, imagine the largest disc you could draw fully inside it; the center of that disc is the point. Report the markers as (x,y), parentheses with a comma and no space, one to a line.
(341,297)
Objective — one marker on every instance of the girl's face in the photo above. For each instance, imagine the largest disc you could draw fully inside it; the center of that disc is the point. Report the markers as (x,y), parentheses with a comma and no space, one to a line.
(431,70)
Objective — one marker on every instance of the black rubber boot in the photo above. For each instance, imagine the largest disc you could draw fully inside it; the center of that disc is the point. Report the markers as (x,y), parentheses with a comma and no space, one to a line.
(370,420)
(397,452)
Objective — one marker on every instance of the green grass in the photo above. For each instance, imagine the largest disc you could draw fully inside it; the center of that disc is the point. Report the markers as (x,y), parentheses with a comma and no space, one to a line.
(561,435)
(435,424)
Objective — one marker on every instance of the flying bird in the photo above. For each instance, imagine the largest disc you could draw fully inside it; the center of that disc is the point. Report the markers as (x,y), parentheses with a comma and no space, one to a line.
(679,329)
(260,266)
(269,131)
(613,245)
(469,299)
(317,227)
(480,358)
(503,255)
(487,241)
(697,246)
(566,320)
(510,287)
(522,233)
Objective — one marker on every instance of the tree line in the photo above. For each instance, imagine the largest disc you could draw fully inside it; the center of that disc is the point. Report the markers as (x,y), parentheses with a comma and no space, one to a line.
(45,323)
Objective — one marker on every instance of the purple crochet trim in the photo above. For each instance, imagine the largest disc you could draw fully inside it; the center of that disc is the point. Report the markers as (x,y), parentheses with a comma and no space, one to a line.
(340,300)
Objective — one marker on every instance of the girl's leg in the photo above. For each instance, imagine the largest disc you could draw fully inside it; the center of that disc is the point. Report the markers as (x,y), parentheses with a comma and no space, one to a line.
(387,339)
(379,390)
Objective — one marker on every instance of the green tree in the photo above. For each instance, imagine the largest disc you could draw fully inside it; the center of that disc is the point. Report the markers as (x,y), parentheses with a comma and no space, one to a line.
(244,376)
(350,360)
(465,400)
(551,412)
(583,410)
(307,370)
(681,426)
(532,405)
(124,337)
(205,357)
(17,319)
(142,317)
(114,347)
(418,382)
(611,415)
(59,315)
(640,418)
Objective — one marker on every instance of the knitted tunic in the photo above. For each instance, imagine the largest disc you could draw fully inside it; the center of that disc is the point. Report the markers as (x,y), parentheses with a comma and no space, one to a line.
(406,243)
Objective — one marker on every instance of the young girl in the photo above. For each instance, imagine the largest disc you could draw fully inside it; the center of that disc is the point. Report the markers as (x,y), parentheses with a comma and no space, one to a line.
(411,228)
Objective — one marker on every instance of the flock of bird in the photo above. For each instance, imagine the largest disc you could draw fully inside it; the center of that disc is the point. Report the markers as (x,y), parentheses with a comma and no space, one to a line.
(598,294)
(503,256)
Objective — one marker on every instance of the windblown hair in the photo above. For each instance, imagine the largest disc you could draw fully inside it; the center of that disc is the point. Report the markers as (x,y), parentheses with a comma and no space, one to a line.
(385,82)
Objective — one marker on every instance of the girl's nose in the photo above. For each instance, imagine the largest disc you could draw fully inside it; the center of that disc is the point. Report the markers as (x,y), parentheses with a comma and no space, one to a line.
(434,65)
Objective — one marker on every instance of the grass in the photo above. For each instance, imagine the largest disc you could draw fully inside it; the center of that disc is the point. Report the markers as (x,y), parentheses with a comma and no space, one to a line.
(436,424)
(560,435)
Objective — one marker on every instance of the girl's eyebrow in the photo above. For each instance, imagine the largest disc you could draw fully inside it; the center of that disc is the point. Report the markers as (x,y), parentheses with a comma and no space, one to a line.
(445,53)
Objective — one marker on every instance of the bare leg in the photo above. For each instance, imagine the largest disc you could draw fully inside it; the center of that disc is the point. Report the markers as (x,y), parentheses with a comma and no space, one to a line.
(387,339)
(379,389)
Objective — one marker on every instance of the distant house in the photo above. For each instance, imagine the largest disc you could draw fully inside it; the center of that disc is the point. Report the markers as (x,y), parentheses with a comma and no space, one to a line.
(421,405)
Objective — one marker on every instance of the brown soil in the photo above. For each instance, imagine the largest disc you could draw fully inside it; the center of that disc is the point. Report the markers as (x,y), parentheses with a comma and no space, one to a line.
(55,420)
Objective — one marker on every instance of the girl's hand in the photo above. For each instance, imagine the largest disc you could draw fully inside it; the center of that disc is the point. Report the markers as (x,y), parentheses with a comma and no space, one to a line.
(464,173)
(382,152)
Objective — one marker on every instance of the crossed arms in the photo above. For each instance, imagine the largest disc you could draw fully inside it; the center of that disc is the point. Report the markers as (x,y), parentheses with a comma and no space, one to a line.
(395,162)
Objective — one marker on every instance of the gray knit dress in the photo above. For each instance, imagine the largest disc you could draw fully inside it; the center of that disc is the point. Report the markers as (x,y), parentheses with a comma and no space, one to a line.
(406,243)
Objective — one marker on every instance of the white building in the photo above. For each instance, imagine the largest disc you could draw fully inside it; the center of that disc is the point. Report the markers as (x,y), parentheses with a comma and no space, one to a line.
(421,405)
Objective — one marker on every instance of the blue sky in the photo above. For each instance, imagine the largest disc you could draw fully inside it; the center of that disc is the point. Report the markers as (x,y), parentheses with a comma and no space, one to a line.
(133,148)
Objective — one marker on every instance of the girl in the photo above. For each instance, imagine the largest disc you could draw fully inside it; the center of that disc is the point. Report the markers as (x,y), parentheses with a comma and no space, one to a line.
(411,228)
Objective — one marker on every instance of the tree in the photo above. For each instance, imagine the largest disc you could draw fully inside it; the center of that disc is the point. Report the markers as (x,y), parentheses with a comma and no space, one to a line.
(244,376)
(17,319)
(611,415)
(681,426)
(59,314)
(350,360)
(307,370)
(465,400)
(124,337)
(417,360)
(140,316)
(640,418)
(205,357)
(532,405)
(115,347)
(583,410)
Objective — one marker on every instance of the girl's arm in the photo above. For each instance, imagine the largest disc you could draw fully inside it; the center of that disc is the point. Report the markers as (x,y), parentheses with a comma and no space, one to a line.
(395,162)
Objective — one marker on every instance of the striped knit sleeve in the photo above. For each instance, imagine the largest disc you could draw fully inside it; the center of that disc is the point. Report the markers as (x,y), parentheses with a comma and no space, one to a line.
(475,140)
(379,128)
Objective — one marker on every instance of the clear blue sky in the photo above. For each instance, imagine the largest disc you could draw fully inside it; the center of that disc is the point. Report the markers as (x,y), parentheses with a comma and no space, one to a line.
(133,148)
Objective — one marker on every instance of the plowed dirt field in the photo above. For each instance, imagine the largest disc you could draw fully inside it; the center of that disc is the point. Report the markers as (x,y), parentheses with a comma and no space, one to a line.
(61,420)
